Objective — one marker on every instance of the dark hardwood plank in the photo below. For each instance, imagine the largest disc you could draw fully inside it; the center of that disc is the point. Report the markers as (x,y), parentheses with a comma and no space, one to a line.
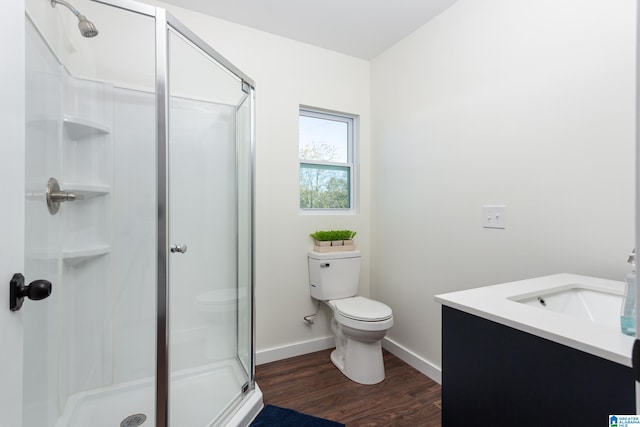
(311,384)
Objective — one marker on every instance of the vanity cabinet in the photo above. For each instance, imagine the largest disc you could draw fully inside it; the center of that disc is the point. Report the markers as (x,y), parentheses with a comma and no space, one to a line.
(494,374)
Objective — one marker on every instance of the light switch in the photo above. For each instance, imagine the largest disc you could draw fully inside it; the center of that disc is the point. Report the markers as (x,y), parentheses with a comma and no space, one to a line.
(493,216)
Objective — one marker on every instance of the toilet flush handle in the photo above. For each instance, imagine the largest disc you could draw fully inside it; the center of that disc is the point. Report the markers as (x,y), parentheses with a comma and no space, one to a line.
(325,265)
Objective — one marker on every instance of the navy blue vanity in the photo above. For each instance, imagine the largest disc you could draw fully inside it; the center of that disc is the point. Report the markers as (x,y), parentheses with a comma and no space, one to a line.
(538,352)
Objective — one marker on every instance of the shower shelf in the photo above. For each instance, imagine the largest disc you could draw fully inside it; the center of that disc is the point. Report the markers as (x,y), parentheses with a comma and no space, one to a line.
(79,128)
(73,257)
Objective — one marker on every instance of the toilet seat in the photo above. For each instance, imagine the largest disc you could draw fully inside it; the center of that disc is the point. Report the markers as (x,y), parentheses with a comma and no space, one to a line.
(363,309)
(361,313)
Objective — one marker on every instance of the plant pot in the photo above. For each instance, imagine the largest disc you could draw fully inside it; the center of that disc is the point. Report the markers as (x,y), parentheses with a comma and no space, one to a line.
(337,243)
(323,243)
(349,242)
(334,248)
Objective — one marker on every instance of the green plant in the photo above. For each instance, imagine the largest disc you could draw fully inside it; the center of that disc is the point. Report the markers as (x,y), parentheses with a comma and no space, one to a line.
(330,235)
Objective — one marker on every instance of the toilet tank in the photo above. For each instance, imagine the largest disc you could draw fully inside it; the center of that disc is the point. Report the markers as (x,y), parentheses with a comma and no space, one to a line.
(333,275)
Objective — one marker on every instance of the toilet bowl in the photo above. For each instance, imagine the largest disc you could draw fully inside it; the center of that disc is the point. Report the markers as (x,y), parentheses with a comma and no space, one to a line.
(218,309)
(359,323)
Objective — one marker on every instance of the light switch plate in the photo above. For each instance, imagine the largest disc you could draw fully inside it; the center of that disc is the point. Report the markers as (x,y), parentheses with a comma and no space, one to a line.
(493,216)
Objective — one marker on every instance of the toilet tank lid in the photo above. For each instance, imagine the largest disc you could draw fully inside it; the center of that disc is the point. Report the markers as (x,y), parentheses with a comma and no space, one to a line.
(334,255)
(363,309)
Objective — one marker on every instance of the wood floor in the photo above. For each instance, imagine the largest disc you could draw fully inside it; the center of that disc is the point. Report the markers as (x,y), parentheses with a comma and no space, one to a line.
(313,385)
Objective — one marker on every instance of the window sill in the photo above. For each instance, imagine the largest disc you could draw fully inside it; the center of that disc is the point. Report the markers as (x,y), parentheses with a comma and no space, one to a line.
(323,212)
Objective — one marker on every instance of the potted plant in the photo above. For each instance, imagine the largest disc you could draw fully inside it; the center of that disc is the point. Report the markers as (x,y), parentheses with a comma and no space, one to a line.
(321,238)
(348,237)
(333,240)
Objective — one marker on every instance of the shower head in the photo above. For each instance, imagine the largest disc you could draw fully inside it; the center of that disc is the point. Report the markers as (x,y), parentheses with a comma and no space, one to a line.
(86,27)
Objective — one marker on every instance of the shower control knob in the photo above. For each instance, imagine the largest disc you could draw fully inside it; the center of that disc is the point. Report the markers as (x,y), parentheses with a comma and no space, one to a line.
(36,290)
(54,196)
(178,248)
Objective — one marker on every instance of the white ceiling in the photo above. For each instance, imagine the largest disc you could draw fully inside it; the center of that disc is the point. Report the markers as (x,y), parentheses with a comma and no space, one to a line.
(360,28)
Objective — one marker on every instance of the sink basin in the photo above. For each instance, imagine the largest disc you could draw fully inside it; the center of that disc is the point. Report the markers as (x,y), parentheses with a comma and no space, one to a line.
(600,306)
(577,311)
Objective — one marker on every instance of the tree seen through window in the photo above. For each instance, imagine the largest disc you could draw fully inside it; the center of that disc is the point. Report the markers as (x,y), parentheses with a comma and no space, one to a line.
(325,163)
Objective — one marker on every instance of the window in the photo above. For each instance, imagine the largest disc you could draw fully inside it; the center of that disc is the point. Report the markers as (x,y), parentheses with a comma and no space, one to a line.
(326,160)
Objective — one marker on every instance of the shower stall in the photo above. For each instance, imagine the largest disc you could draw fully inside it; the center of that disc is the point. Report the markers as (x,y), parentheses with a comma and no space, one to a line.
(139,170)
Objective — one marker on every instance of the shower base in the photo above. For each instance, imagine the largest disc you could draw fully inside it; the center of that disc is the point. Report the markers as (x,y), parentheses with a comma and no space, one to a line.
(198,397)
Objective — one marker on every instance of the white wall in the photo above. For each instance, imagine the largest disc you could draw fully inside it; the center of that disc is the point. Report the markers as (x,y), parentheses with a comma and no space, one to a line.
(527,104)
(288,74)
(12,86)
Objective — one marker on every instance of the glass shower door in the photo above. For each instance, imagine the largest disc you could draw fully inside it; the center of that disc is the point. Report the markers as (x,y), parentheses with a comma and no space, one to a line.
(208,229)
(244,164)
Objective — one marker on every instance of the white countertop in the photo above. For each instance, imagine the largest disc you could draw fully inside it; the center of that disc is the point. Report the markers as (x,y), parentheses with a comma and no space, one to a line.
(493,303)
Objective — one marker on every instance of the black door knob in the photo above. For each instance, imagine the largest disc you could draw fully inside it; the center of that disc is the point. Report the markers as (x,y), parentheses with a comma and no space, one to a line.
(36,290)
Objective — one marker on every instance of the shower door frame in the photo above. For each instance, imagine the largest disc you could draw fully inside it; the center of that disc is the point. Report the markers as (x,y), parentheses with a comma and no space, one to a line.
(163,21)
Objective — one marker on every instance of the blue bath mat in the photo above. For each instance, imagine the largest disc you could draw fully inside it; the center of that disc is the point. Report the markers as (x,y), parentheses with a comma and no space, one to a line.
(273,416)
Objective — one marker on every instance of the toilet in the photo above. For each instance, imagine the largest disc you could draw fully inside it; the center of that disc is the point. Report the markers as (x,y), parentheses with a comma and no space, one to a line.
(218,309)
(359,323)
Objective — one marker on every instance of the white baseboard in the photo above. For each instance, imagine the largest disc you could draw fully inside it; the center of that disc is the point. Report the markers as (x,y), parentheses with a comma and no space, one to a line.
(298,349)
(292,350)
(427,368)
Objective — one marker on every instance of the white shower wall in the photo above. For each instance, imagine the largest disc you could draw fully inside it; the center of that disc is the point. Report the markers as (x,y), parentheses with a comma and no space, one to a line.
(69,137)
(41,238)
(134,235)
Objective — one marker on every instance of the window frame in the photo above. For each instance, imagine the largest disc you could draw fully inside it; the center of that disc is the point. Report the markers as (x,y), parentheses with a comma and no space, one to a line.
(350,120)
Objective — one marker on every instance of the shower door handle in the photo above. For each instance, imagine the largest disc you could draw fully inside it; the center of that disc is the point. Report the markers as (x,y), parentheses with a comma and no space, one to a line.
(178,248)
(36,290)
